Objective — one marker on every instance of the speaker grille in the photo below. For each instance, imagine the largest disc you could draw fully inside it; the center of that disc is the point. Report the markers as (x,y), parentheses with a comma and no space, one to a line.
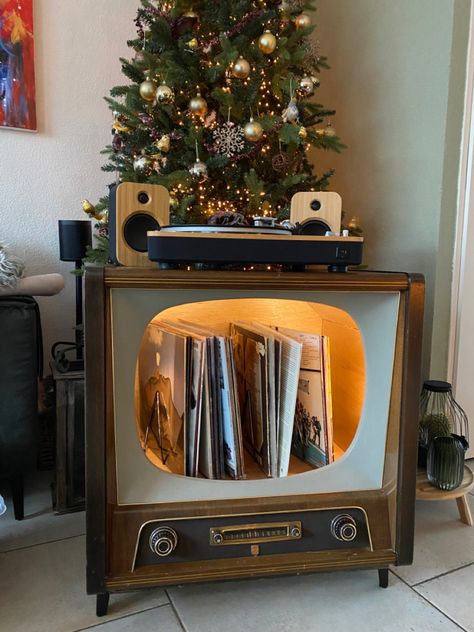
(135,230)
(316,227)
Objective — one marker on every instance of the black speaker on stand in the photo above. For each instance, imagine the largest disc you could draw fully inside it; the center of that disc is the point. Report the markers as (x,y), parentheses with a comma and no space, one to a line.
(75,236)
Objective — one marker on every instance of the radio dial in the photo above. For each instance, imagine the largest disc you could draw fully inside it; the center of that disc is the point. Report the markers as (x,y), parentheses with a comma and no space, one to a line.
(163,541)
(344,528)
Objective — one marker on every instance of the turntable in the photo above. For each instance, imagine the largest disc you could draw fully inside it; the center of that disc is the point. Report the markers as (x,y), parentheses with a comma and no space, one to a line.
(214,244)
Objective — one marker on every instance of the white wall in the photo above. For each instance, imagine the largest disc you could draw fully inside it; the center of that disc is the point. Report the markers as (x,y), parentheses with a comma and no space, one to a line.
(397,82)
(44,176)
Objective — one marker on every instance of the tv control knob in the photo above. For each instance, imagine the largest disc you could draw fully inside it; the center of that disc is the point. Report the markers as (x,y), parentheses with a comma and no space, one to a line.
(163,541)
(295,532)
(344,528)
(217,538)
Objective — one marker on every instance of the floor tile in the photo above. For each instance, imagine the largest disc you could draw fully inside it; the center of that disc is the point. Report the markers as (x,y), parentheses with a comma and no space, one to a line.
(157,619)
(333,601)
(40,523)
(442,542)
(452,594)
(42,589)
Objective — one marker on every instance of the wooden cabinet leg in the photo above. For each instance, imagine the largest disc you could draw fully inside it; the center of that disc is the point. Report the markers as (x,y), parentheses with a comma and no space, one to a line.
(102,604)
(464,510)
(383,577)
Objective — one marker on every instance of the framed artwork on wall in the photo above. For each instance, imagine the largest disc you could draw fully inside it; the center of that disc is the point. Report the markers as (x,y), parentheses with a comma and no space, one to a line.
(17,73)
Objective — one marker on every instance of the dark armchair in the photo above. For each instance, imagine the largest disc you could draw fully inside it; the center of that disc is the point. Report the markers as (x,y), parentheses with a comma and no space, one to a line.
(20,368)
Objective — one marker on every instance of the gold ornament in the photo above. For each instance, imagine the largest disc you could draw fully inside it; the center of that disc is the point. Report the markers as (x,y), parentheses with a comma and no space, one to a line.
(253,131)
(267,43)
(198,105)
(241,68)
(174,203)
(164,95)
(191,14)
(90,210)
(302,21)
(148,89)
(303,134)
(192,44)
(119,126)
(163,144)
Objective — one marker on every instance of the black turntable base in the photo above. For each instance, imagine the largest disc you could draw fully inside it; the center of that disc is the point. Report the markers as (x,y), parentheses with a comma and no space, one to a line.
(251,245)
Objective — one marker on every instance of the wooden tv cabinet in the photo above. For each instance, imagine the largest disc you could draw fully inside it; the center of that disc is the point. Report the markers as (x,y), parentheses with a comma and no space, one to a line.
(373,483)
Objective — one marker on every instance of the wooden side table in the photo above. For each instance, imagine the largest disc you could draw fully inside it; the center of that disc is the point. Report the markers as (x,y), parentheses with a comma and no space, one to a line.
(69,492)
(426,491)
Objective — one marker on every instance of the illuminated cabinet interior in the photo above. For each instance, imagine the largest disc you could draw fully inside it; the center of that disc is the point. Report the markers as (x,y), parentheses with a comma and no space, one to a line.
(346,366)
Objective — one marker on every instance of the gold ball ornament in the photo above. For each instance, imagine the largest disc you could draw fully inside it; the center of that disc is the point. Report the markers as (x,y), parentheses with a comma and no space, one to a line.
(163,144)
(302,21)
(267,43)
(164,95)
(303,133)
(192,44)
(241,68)
(198,105)
(253,131)
(148,89)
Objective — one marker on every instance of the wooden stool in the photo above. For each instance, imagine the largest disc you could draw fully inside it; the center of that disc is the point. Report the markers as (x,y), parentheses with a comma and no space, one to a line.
(426,491)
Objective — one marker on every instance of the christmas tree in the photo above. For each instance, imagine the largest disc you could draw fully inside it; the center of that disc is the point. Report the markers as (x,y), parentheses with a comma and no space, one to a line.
(221,109)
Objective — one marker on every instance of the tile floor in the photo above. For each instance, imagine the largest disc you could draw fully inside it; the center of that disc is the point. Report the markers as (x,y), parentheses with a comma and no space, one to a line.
(42,578)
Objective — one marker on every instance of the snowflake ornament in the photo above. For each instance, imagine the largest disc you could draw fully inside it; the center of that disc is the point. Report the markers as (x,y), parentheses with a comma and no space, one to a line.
(229,139)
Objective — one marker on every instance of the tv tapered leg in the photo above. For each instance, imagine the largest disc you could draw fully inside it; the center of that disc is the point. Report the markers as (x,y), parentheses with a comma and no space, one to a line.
(17,487)
(383,577)
(102,604)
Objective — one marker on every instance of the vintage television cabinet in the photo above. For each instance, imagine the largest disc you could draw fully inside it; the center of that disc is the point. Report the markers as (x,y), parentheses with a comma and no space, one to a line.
(147,527)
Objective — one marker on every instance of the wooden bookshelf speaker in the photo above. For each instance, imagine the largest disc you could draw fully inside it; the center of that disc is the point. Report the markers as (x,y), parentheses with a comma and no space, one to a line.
(134,209)
(317,212)
(149,524)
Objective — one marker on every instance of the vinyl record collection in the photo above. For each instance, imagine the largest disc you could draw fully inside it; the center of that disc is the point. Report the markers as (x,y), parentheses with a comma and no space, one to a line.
(224,406)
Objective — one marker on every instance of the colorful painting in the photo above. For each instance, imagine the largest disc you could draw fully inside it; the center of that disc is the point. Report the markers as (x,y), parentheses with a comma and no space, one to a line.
(17,73)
